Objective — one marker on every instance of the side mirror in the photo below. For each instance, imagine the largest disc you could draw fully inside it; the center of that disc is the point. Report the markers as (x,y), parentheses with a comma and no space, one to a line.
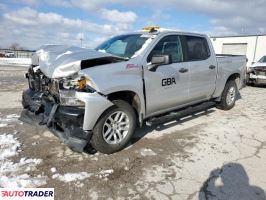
(253,62)
(158,60)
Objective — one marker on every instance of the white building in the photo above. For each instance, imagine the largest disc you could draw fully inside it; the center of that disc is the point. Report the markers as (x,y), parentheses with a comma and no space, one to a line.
(253,46)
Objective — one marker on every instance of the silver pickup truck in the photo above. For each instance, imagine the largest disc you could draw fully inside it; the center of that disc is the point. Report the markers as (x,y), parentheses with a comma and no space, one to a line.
(96,98)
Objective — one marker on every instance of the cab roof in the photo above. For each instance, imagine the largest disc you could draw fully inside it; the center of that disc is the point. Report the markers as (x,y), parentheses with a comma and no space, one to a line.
(156,30)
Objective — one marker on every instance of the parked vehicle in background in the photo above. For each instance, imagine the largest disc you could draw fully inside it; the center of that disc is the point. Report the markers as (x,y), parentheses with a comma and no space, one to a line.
(10,55)
(256,73)
(98,97)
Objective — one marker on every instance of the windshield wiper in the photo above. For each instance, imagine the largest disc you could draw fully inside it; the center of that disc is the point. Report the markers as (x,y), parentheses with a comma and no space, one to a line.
(120,57)
(124,58)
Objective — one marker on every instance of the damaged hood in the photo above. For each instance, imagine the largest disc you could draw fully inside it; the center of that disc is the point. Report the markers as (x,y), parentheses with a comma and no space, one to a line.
(258,64)
(58,61)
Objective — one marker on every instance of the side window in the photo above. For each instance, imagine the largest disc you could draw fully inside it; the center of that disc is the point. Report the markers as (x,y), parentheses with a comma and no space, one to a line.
(197,48)
(169,45)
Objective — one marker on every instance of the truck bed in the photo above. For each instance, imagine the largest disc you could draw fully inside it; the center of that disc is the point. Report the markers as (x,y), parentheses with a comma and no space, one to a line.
(228,65)
(230,56)
(231,62)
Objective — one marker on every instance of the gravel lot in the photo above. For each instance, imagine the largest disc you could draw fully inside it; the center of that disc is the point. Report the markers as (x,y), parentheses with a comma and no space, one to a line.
(212,155)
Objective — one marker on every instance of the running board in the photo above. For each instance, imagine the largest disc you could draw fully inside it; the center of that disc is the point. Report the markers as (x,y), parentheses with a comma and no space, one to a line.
(175,115)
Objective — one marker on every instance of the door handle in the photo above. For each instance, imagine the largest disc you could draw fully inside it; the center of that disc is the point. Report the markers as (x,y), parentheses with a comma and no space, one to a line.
(183,70)
(212,67)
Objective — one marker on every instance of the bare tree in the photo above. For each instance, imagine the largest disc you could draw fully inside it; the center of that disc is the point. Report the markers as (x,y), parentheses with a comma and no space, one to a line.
(15,46)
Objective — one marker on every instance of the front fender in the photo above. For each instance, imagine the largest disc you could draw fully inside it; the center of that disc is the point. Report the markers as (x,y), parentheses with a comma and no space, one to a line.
(140,94)
(95,105)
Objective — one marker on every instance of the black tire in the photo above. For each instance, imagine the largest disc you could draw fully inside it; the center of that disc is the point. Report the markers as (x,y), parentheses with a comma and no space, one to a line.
(223,104)
(98,141)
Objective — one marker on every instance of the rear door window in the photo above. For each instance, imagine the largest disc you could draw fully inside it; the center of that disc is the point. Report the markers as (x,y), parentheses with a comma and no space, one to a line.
(196,48)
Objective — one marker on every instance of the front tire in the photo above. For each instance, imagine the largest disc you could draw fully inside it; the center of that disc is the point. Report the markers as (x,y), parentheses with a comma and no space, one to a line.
(115,128)
(229,96)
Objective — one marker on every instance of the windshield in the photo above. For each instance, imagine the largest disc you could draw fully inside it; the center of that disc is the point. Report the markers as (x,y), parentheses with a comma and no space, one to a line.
(124,45)
(263,59)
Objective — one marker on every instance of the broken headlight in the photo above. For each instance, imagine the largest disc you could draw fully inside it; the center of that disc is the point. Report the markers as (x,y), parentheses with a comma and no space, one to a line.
(250,69)
(68,98)
(79,83)
(70,86)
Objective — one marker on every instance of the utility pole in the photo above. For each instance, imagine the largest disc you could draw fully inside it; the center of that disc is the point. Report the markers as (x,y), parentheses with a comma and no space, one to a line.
(81,40)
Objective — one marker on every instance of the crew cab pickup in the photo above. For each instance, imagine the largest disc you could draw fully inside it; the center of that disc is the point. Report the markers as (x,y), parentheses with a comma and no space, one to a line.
(98,97)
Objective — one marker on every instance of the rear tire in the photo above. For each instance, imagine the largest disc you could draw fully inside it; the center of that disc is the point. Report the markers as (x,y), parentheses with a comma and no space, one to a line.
(229,96)
(115,128)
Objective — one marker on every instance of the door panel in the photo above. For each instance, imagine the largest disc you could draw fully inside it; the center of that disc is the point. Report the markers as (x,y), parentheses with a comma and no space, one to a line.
(161,96)
(202,79)
(202,66)
(167,87)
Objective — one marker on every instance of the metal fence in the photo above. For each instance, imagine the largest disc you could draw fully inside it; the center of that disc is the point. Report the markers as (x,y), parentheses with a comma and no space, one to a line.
(17,53)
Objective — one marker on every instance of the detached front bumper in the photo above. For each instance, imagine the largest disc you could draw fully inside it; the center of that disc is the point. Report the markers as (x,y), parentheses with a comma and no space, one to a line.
(258,79)
(65,122)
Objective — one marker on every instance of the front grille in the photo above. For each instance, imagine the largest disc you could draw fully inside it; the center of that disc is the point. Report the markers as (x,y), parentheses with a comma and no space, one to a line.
(260,69)
(262,73)
(40,83)
(35,80)
(53,87)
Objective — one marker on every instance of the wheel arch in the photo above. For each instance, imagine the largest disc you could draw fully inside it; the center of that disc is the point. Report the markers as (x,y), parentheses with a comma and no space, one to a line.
(130,97)
(222,84)
(234,77)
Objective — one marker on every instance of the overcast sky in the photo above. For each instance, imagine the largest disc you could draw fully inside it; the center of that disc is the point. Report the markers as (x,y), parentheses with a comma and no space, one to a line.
(32,23)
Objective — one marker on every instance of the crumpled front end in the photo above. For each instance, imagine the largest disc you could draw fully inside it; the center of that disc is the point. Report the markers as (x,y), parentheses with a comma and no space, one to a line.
(63,121)
(59,61)
(257,75)
(60,105)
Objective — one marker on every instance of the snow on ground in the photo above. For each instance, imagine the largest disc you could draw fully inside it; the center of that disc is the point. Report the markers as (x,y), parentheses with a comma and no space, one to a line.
(93,195)
(53,169)
(8,120)
(77,177)
(15,174)
(147,152)
(69,177)
(21,181)
(2,125)
(9,146)
(4,120)
(15,61)
(105,173)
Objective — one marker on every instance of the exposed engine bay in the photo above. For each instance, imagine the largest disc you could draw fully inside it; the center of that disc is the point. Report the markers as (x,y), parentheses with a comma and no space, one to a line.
(52,103)
(38,82)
